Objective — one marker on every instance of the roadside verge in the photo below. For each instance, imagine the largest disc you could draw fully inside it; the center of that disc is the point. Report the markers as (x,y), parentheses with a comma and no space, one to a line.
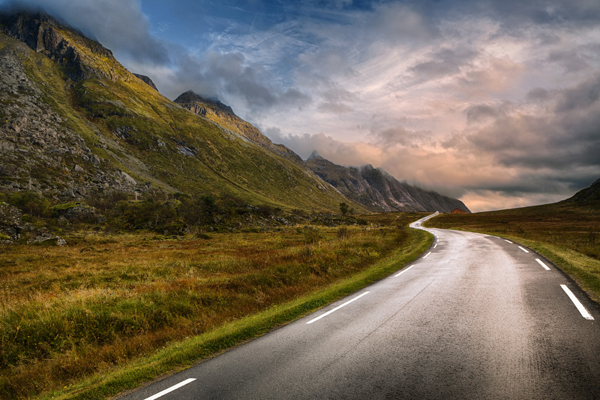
(181,355)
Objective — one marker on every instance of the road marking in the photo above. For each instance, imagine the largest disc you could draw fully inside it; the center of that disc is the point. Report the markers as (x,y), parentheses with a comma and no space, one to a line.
(427,255)
(403,271)
(435,246)
(542,264)
(523,249)
(172,388)
(507,241)
(337,308)
(584,313)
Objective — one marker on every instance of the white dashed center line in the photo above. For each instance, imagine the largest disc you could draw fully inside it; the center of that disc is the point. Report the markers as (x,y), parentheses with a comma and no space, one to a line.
(427,255)
(172,388)
(507,241)
(337,308)
(523,249)
(435,246)
(542,264)
(584,313)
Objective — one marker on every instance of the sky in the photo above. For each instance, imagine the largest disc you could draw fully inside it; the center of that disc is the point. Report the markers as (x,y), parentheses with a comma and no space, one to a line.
(495,102)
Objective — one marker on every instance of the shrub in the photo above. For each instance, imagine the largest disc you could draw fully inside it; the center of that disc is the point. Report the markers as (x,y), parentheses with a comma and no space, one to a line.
(343,233)
(312,236)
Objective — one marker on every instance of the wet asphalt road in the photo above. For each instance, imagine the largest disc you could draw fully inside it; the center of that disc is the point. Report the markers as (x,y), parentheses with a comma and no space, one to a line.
(475,318)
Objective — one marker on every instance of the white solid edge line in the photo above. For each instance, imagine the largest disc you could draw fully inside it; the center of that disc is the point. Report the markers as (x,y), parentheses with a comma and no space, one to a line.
(542,264)
(403,271)
(584,313)
(172,388)
(335,309)
(507,241)
(523,249)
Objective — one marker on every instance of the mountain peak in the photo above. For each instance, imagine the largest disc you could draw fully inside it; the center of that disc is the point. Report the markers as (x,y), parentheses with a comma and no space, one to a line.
(314,156)
(191,97)
(146,80)
(65,45)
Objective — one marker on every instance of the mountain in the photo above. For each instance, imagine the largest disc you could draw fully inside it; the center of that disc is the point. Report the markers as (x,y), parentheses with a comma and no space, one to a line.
(75,124)
(379,191)
(587,197)
(223,115)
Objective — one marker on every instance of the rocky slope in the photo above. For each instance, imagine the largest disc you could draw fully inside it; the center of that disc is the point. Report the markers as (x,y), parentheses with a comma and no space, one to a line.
(74,123)
(223,115)
(378,190)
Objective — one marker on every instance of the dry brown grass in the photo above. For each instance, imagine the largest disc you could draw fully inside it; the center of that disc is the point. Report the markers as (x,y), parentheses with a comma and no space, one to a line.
(68,312)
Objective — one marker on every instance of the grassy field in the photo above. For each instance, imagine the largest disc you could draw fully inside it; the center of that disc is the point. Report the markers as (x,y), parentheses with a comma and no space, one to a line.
(565,233)
(105,301)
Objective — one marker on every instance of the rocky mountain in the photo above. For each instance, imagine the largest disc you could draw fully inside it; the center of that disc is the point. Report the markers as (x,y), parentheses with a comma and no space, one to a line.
(223,115)
(379,191)
(75,123)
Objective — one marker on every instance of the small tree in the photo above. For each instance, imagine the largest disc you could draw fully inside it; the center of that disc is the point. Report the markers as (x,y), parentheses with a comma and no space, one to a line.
(344,208)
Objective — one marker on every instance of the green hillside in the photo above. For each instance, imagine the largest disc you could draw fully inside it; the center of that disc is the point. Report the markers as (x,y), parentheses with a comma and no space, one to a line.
(105,119)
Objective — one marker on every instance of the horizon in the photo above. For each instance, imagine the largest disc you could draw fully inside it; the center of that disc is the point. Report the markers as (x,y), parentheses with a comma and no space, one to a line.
(497,105)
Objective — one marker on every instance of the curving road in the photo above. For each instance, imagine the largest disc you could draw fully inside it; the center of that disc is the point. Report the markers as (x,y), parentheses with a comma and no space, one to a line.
(476,317)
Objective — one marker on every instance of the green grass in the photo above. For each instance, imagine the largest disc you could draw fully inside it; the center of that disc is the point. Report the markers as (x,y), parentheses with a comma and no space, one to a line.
(565,233)
(102,310)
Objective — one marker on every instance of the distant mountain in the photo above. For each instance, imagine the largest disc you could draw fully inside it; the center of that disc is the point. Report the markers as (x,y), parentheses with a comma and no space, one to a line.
(75,123)
(379,191)
(588,196)
(223,115)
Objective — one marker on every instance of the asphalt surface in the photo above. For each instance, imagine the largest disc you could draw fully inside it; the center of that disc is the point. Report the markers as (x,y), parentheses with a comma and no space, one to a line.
(476,317)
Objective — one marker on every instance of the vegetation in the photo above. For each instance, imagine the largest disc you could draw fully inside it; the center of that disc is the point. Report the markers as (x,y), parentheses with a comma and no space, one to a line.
(566,233)
(104,300)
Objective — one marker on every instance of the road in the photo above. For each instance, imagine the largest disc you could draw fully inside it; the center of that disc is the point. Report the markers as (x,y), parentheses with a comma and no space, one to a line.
(476,317)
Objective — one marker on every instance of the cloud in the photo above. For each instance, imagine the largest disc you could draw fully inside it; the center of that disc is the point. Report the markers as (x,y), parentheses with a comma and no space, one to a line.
(444,62)
(493,76)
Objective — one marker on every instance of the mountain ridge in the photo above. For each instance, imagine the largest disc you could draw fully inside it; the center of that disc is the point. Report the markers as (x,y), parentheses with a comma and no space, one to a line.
(223,115)
(378,190)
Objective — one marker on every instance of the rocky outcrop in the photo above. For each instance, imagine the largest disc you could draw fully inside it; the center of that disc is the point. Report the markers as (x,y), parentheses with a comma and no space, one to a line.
(224,116)
(45,237)
(10,223)
(147,81)
(44,34)
(379,191)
